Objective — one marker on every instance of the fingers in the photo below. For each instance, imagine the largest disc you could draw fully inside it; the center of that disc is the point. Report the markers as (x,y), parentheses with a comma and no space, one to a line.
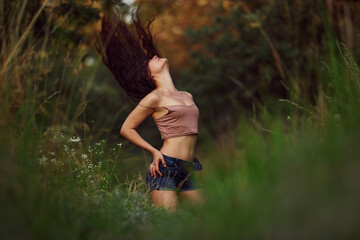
(163,162)
(154,167)
(152,170)
(157,169)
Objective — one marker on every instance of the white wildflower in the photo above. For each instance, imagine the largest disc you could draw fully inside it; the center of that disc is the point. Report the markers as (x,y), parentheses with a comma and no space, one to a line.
(42,160)
(74,139)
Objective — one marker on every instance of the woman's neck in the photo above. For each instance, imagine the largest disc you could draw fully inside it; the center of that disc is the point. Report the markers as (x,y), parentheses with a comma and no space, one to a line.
(165,83)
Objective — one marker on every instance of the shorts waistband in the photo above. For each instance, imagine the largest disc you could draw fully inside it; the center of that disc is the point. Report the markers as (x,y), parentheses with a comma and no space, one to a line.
(181,162)
(176,160)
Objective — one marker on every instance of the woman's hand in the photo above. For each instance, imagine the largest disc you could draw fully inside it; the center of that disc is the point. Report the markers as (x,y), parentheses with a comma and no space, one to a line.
(154,166)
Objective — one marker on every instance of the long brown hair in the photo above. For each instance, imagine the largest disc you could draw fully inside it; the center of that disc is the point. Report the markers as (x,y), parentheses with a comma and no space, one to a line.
(125,49)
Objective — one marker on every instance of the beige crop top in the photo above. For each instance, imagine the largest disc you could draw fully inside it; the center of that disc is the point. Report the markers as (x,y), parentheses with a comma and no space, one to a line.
(180,120)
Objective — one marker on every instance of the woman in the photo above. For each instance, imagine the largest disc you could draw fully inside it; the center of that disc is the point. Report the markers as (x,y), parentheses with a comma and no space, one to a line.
(131,55)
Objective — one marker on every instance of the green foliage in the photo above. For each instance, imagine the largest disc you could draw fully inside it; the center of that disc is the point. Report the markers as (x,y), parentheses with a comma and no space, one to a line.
(289,174)
(252,51)
(267,178)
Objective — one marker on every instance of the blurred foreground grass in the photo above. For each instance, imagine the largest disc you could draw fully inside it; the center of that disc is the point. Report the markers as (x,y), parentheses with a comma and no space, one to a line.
(291,175)
(272,176)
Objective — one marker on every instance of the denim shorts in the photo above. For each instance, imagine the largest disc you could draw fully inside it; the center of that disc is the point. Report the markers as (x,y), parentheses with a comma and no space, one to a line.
(176,176)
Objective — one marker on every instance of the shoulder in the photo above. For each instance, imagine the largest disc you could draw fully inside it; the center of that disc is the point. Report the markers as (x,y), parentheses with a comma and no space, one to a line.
(150,100)
(187,93)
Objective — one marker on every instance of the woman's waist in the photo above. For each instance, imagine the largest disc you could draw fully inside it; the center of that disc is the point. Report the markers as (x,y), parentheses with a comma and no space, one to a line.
(183,148)
(184,157)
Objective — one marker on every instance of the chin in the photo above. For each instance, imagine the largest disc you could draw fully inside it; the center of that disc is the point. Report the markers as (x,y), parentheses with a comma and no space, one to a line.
(166,63)
(164,60)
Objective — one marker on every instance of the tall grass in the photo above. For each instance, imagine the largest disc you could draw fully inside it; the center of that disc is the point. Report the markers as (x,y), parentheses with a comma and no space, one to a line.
(292,176)
(55,180)
(281,176)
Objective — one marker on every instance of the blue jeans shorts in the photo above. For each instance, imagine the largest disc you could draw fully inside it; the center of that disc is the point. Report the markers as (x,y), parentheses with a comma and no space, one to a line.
(176,176)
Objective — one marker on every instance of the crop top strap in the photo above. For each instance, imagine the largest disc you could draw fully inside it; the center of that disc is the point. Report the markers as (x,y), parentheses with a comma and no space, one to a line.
(146,106)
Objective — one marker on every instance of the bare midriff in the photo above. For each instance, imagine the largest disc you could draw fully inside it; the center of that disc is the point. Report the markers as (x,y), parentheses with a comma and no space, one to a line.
(182,147)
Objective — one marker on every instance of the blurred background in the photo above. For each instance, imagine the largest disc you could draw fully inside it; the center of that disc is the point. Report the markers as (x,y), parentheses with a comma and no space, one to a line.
(274,80)
(233,56)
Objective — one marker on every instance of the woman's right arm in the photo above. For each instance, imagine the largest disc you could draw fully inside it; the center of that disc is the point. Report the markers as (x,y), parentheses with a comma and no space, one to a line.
(135,118)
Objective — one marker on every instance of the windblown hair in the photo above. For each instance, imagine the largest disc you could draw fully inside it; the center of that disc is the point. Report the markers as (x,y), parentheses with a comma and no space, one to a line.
(125,49)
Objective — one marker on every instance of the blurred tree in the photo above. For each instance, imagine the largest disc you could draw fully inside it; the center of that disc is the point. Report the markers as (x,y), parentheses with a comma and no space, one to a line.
(230,54)
(235,54)
(43,45)
(252,50)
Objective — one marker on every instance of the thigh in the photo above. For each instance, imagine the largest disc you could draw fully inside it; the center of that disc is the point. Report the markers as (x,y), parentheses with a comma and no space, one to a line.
(187,181)
(193,196)
(165,199)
